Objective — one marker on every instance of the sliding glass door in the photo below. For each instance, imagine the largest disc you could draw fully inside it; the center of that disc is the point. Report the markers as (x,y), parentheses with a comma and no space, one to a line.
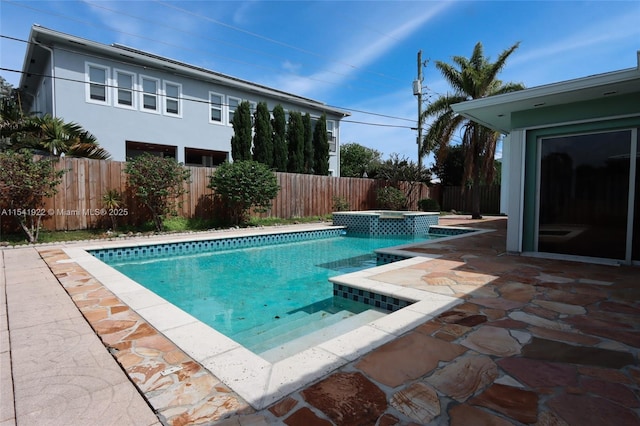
(587,195)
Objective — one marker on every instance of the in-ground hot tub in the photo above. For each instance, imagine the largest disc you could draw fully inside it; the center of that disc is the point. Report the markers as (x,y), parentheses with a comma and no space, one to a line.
(386,222)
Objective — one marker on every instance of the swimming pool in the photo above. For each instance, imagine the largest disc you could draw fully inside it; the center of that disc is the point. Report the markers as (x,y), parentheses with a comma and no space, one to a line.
(260,381)
(266,295)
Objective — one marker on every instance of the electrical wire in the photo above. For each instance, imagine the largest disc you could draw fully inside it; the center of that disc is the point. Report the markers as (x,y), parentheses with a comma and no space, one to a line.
(217,40)
(164,70)
(271,40)
(138,91)
(245,63)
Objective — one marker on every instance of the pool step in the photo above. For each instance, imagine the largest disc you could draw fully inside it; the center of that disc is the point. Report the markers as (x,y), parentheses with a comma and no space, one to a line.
(267,330)
(291,327)
(314,338)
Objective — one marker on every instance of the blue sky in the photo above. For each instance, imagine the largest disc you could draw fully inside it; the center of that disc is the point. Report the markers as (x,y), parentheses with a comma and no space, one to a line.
(358,55)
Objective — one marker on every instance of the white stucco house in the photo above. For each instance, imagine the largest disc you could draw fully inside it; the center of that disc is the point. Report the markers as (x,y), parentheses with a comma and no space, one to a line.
(571,166)
(134,101)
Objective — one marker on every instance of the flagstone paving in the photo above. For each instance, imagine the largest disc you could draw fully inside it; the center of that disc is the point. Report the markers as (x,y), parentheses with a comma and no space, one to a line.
(536,341)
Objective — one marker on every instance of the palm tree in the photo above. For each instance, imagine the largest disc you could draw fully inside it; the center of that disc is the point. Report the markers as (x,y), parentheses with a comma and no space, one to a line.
(112,200)
(56,137)
(473,78)
(46,134)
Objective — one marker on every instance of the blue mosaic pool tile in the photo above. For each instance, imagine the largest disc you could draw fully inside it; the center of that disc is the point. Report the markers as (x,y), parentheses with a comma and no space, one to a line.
(218,244)
(381,301)
(441,230)
(386,258)
(378,224)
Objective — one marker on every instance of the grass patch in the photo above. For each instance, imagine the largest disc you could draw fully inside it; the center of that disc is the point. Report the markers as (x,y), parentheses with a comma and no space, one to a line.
(55,236)
(272,221)
(172,225)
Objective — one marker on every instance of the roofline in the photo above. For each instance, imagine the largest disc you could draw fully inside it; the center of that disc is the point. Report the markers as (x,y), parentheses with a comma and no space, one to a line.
(173,65)
(551,89)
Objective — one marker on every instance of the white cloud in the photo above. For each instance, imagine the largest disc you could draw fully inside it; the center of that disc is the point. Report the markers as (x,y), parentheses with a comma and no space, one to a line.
(290,66)
(359,52)
(617,28)
(241,15)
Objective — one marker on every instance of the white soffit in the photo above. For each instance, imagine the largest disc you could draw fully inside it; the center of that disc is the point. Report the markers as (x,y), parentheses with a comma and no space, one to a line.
(495,111)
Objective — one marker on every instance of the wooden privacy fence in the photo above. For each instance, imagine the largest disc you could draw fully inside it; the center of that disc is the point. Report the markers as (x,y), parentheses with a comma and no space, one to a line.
(78,203)
(453,198)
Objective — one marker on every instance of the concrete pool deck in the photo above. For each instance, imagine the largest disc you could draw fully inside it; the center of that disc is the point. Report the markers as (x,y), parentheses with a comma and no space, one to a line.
(532,341)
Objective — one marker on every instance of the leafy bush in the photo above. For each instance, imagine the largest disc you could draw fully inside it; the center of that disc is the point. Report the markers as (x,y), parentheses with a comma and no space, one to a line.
(24,184)
(242,185)
(340,204)
(429,205)
(390,198)
(157,182)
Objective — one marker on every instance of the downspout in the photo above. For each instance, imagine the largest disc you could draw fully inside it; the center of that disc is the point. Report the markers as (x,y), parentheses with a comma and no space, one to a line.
(53,76)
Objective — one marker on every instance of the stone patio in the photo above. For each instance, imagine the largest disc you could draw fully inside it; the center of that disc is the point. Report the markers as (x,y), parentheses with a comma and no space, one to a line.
(535,341)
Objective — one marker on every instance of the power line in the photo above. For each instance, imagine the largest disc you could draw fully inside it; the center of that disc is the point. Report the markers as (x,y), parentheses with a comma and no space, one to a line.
(163,70)
(271,40)
(217,40)
(250,64)
(93,24)
(111,86)
(377,124)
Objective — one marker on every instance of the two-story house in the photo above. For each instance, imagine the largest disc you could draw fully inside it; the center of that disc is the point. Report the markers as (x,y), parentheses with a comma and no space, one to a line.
(134,101)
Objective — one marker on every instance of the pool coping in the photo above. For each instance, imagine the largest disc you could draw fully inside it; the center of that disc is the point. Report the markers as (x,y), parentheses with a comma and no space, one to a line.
(256,380)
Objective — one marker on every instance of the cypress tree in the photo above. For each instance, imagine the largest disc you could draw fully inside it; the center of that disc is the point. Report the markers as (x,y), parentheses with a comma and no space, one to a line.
(308,143)
(279,125)
(263,137)
(321,147)
(241,139)
(295,143)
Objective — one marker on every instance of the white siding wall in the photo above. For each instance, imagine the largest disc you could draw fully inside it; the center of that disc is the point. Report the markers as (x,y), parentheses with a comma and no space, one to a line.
(113,124)
(515,189)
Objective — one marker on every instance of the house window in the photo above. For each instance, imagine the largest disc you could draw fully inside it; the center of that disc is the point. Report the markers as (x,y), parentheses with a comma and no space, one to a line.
(172,102)
(204,157)
(124,89)
(215,104)
(136,149)
(149,93)
(233,105)
(331,136)
(97,78)
(254,108)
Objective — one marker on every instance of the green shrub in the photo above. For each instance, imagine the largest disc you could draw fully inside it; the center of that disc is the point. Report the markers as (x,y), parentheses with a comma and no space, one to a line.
(340,204)
(429,205)
(390,198)
(242,185)
(158,182)
(24,184)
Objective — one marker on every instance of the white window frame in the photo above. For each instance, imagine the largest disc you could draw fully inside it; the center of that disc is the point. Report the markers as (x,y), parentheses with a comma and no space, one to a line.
(156,94)
(231,110)
(117,88)
(219,107)
(89,84)
(253,108)
(166,98)
(331,134)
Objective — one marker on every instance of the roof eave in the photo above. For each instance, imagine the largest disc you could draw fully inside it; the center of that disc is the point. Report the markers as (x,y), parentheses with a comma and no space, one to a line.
(551,89)
(185,69)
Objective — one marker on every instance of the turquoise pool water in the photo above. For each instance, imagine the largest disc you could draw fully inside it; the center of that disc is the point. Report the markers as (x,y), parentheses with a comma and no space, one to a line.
(247,293)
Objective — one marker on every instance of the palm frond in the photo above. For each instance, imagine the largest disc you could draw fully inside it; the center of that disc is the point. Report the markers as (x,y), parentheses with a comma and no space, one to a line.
(452,75)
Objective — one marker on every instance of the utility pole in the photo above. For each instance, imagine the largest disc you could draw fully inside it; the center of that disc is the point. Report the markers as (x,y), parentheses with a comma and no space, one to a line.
(417,91)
